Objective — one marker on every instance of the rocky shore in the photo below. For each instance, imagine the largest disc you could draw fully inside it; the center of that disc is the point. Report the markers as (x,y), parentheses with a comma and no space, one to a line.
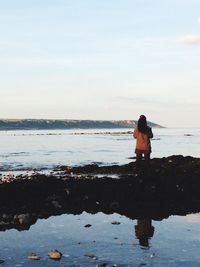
(169,186)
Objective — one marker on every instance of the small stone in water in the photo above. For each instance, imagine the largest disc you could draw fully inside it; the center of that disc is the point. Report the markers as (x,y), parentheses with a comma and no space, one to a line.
(115,223)
(92,256)
(33,256)
(88,225)
(55,254)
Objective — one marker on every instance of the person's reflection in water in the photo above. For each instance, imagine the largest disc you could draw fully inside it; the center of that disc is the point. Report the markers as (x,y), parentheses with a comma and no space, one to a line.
(144,231)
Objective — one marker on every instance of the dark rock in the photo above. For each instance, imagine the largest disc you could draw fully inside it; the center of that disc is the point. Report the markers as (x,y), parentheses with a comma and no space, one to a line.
(88,225)
(169,186)
(115,223)
(114,206)
(22,219)
(56,204)
(104,264)
(92,256)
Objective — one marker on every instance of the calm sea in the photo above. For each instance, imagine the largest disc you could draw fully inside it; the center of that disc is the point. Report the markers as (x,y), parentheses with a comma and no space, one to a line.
(174,241)
(21,150)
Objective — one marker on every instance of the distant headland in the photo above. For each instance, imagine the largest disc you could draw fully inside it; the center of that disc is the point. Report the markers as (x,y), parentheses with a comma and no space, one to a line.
(45,124)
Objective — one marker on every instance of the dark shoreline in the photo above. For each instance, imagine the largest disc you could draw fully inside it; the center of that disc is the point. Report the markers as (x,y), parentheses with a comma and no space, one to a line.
(50,124)
(170,187)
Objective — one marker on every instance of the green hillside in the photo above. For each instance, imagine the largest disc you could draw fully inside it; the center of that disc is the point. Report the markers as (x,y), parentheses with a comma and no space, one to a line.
(31,124)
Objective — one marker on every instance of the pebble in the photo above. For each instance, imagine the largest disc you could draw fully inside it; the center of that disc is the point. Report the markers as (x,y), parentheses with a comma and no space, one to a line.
(33,256)
(92,256)
(115,222)
(88,225)
(55,254)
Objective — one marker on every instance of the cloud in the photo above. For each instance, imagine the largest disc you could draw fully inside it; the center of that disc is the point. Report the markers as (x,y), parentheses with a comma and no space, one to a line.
(189,39)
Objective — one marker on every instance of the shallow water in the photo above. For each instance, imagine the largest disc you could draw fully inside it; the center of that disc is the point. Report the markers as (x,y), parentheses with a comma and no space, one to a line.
(114,244)
(22,150)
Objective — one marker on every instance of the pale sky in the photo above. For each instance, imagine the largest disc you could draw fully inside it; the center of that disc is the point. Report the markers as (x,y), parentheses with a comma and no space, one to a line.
(101,59)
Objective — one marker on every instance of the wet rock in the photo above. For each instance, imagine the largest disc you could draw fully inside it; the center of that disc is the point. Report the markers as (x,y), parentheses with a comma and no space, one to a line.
(114,206)
(56,204)
(87,225)
(115,223)
(34,256)
(67,191)
(22,219)
(172,181)
(55,254)
(91,255)
(7,217)
(104,264)
(4,224)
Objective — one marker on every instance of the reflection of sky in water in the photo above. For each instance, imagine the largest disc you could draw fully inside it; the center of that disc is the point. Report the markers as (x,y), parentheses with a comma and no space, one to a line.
(38,149)
(175,242)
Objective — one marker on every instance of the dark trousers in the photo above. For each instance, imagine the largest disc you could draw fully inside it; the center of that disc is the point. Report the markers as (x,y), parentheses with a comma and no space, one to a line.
(139,162)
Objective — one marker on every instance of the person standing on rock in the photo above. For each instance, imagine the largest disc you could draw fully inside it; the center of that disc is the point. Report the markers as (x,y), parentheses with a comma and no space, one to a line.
(142,133)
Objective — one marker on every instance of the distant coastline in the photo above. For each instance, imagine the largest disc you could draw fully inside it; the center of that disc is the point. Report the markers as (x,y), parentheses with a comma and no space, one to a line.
(44,124)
